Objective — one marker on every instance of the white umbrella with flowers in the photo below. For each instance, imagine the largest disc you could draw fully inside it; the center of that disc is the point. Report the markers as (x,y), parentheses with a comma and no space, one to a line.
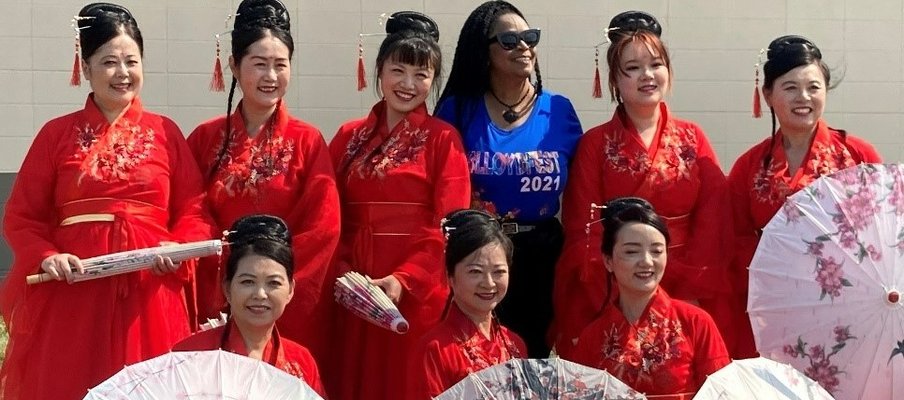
(826,283)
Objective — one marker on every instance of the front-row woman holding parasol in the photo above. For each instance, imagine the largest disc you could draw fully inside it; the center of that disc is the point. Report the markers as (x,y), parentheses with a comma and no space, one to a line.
(649,341)
(107,178)
(257,287)
(469,339)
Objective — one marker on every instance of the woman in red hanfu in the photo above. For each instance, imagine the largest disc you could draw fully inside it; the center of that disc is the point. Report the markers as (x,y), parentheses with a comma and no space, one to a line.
(644,151)
(660,346)
(399,172)
(795,82)
(108,178)
(258,289)
(470,338)
(269,162)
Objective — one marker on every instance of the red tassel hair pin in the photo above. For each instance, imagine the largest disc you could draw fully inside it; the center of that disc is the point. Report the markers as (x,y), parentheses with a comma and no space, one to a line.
(76,78)
(757,106)
(361,71)
(217,83)
(597,83)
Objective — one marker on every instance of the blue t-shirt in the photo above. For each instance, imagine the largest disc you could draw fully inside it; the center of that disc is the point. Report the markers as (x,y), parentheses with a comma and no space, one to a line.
(522,172)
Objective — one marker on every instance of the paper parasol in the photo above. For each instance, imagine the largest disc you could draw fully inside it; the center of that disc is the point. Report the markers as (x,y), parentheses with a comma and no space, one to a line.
(760,379)
(550,379)
(355,292)
(826,283)
(135,260)
(202,375)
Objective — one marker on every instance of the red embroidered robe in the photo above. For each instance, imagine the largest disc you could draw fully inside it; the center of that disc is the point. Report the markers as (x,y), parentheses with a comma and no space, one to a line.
(670,350)
(137,171)
(680,175)
(285,170)
(395,187)
(280,352)
(758,193)
(455,348)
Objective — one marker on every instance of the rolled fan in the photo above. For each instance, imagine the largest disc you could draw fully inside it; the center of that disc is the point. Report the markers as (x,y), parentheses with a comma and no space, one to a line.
(135,260)
(355,292)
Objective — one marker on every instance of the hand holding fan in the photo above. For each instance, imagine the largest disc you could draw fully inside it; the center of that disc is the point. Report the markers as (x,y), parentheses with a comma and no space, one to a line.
(355,292)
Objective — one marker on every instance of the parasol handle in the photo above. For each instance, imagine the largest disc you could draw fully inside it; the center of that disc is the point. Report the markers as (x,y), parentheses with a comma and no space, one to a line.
(38,278)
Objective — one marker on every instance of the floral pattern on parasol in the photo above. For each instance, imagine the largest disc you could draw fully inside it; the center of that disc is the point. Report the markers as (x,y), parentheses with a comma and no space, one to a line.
(552,378)
(825,282)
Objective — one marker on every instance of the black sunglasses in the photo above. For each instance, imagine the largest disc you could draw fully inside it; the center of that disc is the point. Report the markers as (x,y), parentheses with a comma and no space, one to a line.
(510,40)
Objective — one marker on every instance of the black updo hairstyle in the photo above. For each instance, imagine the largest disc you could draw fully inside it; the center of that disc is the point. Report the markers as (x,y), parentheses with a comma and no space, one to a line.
(470,74)
(263,235)
(632,27)
(784,54)
(467,231)
(622,211)
(104,22)
(412,38)
(253,20)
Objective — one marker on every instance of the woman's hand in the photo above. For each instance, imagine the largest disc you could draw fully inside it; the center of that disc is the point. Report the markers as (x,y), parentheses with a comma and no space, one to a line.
(391,285)
(61,266)
(165,265)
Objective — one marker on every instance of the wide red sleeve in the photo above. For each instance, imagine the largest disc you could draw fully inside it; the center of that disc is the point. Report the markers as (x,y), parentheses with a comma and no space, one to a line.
(580,276)
(710,353)
(448,166)
(709,248)
(427,372)
(30,214)
(745,230)
(315,223)
(864,151)
(189,220)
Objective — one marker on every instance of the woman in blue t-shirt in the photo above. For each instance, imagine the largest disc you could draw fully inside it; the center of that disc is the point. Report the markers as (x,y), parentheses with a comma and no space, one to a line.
(519,141)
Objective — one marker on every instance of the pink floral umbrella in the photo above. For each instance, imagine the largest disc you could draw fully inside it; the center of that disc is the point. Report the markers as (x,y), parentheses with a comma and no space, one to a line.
(826,283)
(547,379)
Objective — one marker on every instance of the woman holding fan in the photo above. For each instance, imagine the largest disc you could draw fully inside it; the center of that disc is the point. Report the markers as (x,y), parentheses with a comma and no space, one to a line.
(470,338)
(399,171)
(107,178)
(259,159)
(257,286)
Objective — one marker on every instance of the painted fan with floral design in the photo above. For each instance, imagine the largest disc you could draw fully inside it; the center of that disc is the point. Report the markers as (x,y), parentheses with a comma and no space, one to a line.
(548,379)
(826,283)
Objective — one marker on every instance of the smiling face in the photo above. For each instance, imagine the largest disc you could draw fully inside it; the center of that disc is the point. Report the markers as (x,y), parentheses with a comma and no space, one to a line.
(115,73)
(480,280)
(517,62)
(259,291)
(643,78)
(638,259)
(404,86)
(798,98)
(263,73)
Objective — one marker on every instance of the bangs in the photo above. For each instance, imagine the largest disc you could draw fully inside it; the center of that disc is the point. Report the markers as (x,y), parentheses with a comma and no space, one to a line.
(413,51)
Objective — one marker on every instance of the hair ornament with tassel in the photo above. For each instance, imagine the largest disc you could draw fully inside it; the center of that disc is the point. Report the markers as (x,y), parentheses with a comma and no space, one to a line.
(361,70)
(217,83)
(76,78)
(757,106)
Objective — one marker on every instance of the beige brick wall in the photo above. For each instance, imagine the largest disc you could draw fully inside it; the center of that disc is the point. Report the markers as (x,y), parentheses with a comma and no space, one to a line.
(714,44)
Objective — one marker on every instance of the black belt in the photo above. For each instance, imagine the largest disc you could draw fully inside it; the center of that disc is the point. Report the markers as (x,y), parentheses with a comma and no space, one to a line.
(514,228)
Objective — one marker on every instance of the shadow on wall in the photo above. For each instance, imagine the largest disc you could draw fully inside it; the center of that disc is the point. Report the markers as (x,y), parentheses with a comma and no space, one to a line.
(6,256)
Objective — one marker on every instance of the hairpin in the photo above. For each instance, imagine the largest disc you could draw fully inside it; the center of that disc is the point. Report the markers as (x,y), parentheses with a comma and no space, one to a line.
(76,78)
(757,107)
(217,84)
(362,79)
